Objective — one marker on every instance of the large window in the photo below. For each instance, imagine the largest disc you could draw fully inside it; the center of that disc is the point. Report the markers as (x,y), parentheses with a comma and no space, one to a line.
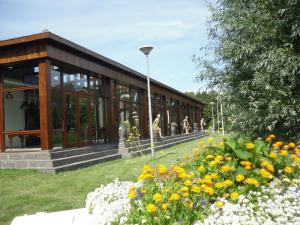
(21,106)
(99,113)
(129,106)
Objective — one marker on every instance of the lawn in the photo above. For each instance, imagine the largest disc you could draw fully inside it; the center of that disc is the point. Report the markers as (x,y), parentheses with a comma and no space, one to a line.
(28,191)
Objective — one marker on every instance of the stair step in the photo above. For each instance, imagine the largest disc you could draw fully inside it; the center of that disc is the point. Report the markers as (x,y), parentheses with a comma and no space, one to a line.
(81,164)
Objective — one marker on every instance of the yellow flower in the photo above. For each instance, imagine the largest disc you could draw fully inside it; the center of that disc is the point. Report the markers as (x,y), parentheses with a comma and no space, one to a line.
(164,206)
(228,183)
(250,146)
(245,163)
(273,155)
(213,176)
(188,183)
(144,191)
(219,185)
(162,169)
(210,139)
(265,173)
(151,208)
(285,147)
(288,169)
(221,144)
(228,158)
(247,167)
(210,156)
(219,158)
(272,136)
(213,163)
(174,197)
(268,139)
(225,169)
(201,142)
(209,190)
(277,144)
(201,168)
(219,204)
(292,145)
(240,177)
(167,190)
(283,152)
(132,192)
(178,169)
(252,181)
(157,197)
(196,189)
(184,189)
(234,195)
(188,203)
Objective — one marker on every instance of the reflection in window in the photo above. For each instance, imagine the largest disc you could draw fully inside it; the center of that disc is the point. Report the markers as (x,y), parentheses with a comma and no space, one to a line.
(123,93)
(75,81)
(22,113)
(21,76)
(55,76)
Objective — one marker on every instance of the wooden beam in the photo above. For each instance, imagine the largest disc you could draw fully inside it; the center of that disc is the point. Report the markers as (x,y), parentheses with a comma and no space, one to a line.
(111,120)
(164,111)
(2,137)
(45,105)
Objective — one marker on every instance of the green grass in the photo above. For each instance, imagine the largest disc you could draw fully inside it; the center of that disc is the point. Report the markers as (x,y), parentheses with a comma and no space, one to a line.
(29,191)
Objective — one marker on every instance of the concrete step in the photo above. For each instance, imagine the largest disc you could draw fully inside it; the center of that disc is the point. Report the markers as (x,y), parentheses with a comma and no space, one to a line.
(82,164)
(165,145)
(164,142)
(82,157)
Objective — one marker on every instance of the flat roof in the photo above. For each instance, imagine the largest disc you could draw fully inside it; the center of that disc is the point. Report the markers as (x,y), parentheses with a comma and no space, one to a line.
(70,44)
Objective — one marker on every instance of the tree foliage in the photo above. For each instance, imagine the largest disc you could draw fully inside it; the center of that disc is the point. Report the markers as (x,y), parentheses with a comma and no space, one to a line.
(205,97)
(256,63)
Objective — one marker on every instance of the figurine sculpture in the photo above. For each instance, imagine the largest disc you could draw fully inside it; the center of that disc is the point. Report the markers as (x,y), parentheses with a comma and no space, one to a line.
(202,124)
(185,125)
(156,126)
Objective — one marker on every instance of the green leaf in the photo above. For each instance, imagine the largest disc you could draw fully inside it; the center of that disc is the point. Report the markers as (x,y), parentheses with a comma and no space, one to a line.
(241,170)
(245,155)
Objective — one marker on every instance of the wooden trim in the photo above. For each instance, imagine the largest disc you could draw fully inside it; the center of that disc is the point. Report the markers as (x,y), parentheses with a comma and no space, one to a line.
(164,109)
(45,105)
(111,117)
(28,88)
(2,137)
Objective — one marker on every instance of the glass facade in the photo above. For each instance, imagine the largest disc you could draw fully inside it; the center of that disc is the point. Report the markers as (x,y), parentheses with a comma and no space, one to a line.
(21,106)
(87,108)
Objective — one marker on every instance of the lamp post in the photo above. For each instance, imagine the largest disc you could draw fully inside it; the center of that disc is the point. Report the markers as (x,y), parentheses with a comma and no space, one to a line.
(222,118)
(146,49)
(213,119)
(218,115)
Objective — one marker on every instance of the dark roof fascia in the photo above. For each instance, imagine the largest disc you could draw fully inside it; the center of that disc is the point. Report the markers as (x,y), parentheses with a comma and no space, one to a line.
(61,40)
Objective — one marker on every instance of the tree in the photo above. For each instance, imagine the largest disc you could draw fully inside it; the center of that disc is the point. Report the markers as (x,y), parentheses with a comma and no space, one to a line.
(205,97)
(256,64)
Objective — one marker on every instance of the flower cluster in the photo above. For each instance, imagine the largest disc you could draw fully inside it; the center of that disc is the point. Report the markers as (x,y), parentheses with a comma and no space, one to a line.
(110,203)
(215,174)
(259,207)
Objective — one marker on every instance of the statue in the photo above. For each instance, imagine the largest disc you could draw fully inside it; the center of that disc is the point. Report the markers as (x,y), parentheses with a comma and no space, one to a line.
(155,126)
(185,125)
(202,124)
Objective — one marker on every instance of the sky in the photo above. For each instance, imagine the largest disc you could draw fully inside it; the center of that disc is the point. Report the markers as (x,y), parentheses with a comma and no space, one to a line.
(117,28)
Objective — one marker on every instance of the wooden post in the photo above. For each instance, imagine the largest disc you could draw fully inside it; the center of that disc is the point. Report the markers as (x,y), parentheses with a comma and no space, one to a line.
(179,117)
(2,137)
(164,109)
(144,114)
(111,131)
(46,133)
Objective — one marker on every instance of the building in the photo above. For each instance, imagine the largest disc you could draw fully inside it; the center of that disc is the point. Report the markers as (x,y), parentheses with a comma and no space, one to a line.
(57,94)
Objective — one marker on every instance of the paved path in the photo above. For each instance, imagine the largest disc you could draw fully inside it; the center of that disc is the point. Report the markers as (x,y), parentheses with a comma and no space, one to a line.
(69,217)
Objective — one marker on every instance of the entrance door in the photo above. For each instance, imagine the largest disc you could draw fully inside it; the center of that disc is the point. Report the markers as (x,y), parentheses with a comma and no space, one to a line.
(76,120)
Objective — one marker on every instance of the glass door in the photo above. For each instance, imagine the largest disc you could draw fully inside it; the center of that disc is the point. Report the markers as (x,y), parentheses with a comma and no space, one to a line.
(76,120)
(84,119)
(70,120)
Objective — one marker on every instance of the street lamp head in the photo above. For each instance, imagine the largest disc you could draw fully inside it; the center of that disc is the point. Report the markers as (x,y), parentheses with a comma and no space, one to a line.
(146,49)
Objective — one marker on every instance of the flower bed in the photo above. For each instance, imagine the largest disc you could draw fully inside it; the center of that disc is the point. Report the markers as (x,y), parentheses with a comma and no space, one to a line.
(223,183)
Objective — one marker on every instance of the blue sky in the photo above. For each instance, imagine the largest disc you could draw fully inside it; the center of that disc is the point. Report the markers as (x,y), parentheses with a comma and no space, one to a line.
(117,28)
